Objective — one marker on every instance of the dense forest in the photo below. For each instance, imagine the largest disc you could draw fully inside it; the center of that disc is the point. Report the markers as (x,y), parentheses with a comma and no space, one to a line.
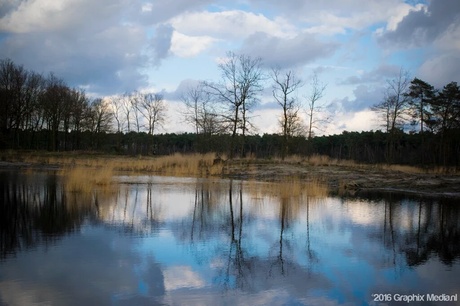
(44,113)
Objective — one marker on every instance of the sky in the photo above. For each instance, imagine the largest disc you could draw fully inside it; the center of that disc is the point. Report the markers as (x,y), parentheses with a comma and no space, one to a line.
(109,47)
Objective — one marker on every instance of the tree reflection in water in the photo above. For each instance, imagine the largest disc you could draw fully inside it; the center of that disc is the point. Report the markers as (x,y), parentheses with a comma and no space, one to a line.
(242,266)
(37,209)
(436,232)
(246,236)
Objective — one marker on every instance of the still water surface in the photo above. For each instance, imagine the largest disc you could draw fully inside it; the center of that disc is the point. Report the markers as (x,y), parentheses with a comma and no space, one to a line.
(179,241)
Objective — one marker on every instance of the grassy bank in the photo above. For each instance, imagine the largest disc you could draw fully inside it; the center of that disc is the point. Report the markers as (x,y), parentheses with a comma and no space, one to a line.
(341,176)
(175,165)
(196,164)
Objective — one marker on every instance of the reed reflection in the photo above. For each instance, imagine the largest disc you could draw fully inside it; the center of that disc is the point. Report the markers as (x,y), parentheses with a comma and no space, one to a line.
(36,208)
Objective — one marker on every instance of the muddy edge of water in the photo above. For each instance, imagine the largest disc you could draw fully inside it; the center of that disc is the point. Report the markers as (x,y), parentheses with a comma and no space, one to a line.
(339,178)
(352,179)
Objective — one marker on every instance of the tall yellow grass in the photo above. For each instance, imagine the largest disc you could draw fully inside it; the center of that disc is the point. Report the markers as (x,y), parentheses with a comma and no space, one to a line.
(85,180)
(175,165)
(201,164)
(86,174)
(101,167)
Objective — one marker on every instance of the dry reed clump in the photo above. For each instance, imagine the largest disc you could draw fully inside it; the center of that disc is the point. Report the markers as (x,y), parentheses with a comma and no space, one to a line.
(175,165)
(294,159)
(201,165)
(85,180)
(321,160)
(324,160)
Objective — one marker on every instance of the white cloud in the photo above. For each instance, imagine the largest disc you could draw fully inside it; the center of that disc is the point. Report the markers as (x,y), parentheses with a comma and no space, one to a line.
(365,120)
(50,15)
(399,13)
(33,15)
(267,120)
(147,7)
(230,24)
(159,11)
(188,46)
(335,16)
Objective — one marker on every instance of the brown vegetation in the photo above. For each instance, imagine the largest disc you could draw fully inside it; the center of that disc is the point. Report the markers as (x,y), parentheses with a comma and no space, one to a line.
(341,176)
(199,165)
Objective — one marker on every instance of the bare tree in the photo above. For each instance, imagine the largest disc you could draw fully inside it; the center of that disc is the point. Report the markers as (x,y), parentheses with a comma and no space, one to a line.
(395,105)
(79,105)
(20,92)
(54,101)
(394,109)
(35,88)
(313,107)
(200,112)
(195,100)
(13,103)
(285,84)
(153,109)
(126,106)
(100,116)
(116,104)
(238,91)
(136,99)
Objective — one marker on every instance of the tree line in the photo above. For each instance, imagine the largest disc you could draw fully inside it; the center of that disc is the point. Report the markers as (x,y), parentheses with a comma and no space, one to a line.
(436,113)
(43,113)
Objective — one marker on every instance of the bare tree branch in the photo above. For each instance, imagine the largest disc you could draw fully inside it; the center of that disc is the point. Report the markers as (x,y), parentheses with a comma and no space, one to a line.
(317,92)
(285,84)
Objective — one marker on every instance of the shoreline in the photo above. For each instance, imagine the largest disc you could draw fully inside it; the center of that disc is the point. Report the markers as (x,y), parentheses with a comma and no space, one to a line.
(340,179)
(353,180)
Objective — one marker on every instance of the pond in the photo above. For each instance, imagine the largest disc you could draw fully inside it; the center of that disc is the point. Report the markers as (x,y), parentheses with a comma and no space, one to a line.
(150,240)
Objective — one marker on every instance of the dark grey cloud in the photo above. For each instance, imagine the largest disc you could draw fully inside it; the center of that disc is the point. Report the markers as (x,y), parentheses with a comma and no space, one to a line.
(102,46)
(107,62)
(422,27)
(378,75)
(7,5)
(161,42)
(437,26)
(287,52)
(365,97)
(87,44)
(183,87)
(441,70)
